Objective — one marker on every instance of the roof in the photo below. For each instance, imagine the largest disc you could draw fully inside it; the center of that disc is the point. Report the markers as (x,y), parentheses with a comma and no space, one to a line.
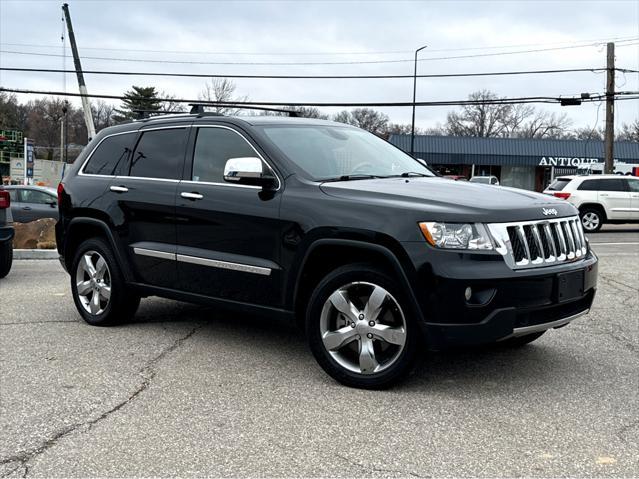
(512,151)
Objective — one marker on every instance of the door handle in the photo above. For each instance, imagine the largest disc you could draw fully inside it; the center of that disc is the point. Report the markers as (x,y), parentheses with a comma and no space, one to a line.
(28,208)
(603,194)
(119,189)
(191,196)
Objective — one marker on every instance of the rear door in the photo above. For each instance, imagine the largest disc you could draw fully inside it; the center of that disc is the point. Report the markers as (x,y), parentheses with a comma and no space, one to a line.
(614,195)
(228,235)
(145,196)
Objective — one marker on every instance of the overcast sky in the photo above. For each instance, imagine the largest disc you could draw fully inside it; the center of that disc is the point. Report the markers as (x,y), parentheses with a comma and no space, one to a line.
(333,31)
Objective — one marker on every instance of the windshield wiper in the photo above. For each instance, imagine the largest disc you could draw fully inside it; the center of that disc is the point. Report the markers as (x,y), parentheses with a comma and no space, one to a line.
(353,177)
(413,173)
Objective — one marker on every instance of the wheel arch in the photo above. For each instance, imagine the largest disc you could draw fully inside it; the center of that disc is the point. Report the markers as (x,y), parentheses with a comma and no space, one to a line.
(325,254)
(82,228)
(595,206)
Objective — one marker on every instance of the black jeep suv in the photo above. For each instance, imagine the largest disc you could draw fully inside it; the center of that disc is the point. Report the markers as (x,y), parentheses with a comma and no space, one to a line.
(321,223)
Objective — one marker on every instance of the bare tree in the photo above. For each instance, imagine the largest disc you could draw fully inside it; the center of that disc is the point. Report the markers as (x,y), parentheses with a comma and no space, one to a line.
(483,119)
(629,131)
(221,90)
(585,133)
(103,113)
(543,125)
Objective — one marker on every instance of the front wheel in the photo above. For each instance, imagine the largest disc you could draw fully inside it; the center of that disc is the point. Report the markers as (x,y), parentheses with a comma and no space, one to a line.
(591,220)
(359,328)
(98,287)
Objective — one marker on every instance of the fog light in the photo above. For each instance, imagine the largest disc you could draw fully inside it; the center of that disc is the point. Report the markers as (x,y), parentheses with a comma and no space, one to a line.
(468,293)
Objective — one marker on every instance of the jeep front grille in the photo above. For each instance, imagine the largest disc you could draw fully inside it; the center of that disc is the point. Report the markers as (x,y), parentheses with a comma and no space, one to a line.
(532,244)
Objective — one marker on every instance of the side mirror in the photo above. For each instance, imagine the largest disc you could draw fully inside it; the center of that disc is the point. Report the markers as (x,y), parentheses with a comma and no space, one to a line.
(52,203)
(248,171)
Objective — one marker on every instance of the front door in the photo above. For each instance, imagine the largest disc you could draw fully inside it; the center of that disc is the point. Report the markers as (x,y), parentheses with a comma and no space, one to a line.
(228,236)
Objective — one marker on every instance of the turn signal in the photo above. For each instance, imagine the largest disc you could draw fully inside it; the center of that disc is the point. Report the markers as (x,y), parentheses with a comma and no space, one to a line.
(562,195)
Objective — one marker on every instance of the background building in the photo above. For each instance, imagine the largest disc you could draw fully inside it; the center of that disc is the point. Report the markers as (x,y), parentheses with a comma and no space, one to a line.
(527,163)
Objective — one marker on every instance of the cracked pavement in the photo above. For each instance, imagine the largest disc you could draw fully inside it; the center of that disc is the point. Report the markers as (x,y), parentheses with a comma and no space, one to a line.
(190,391)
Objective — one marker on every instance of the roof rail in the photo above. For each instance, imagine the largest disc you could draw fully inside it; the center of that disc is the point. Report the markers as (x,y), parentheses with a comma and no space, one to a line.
(198,108)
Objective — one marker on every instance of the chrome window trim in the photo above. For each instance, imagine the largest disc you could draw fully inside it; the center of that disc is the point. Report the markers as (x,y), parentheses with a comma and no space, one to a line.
(214,263)
(279,182)
(154,253)
(144,178)
(82,173)
(191,182)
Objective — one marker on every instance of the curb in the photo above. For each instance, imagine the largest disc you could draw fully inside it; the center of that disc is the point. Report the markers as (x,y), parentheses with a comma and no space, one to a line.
(35,254)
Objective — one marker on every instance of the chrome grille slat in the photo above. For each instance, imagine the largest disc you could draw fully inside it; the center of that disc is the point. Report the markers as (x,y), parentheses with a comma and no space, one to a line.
(534,244)
(551,241)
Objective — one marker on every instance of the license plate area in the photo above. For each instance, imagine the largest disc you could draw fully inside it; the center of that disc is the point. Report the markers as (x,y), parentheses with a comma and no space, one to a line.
(570,286)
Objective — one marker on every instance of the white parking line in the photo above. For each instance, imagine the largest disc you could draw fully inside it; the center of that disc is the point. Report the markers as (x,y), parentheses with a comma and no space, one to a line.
(614,244)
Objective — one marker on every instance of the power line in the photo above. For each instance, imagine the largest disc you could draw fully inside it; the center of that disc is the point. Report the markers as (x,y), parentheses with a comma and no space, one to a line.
(308,77)
(356,62)
(384,52)
(497,101)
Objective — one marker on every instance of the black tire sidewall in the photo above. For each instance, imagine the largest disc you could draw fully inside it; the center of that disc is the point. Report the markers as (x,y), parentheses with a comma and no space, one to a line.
(333,281)
(115,312)
(6,258)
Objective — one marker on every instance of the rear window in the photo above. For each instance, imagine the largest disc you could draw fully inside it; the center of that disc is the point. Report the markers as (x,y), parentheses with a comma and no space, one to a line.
(160,154)
(603,184)
(559,184)
(110,155)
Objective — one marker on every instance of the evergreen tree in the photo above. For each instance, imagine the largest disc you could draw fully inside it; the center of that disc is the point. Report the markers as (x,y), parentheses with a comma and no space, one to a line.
(138,98)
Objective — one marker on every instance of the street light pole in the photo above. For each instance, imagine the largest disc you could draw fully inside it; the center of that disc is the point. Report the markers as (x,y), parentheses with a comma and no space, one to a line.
(412,128)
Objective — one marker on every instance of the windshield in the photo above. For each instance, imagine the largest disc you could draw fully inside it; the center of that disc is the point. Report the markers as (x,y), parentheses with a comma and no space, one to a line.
(333,152)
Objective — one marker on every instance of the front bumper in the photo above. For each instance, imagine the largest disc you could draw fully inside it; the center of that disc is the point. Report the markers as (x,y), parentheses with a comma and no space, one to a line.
(504,302)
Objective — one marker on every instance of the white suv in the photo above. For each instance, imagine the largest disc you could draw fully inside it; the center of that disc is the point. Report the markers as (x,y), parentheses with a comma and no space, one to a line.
(600,198)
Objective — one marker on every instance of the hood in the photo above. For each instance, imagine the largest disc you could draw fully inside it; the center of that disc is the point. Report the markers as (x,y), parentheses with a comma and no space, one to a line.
(448,200)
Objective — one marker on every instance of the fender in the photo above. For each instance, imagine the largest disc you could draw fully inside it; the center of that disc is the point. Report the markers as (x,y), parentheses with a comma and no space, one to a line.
(115,244)
(405,283)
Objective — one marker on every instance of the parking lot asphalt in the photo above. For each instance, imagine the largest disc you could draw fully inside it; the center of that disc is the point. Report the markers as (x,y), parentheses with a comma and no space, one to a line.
(190,391)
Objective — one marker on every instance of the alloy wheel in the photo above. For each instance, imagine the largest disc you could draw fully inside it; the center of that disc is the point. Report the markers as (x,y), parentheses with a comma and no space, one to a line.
(590,221)
(363,328)
(93,282)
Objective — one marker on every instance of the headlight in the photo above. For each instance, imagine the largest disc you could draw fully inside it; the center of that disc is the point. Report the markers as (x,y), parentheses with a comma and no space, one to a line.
(457,235)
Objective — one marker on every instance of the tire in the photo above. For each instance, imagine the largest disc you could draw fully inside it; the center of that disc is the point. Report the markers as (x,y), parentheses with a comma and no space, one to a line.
(366,353)
(6,258)
(520,341)
(95,271)
(591,219)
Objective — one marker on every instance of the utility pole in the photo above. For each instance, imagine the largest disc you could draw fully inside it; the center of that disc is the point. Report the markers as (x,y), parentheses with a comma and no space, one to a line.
(86,106)
(412,128)
(610,109)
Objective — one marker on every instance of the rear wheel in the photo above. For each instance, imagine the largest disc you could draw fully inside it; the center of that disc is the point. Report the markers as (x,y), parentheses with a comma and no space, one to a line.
(591,219)
(359,328)
(6,258)
(99,291)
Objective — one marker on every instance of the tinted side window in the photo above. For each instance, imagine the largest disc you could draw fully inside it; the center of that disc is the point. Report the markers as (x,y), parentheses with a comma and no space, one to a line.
(159,154)
(110,155)
(634,185)
(590,185)
(13,194)
(613,184)
(213,147)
